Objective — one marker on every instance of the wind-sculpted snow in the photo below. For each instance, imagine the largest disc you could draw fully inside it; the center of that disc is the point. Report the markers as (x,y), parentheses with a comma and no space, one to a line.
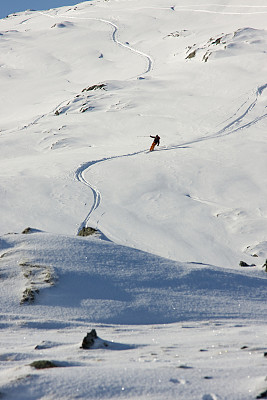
(101,282)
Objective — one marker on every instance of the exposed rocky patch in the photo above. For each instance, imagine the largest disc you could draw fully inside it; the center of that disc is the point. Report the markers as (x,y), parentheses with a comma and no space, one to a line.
(86,108)
(262,395)
(4,255)
(30,230)
(28,295)
(26,230)
(191,55)
(258,250)
(185,366)
(246,40)
(82,102)
(244,264)
(92,341)
(43,364)
(182,33)
(38,277)
(88,231)
(207,48)
(95,87)
(89,340)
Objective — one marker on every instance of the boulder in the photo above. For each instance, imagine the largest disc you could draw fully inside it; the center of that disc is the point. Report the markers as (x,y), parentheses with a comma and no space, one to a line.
(42,364)
(87,231)
(244,264)
(89,340)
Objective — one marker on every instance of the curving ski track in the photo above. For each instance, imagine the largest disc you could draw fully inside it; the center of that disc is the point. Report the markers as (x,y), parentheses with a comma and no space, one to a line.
(237,123)
(79,175)
(232,127)
(114,38)
(235,126)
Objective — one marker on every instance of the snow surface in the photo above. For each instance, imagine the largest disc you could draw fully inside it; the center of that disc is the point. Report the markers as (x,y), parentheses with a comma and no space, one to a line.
(82,89)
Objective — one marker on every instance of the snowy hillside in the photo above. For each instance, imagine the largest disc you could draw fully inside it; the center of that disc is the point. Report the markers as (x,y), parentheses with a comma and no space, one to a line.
(82,90)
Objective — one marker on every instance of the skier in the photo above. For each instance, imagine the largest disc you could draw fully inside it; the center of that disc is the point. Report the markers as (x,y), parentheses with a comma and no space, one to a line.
(155,142)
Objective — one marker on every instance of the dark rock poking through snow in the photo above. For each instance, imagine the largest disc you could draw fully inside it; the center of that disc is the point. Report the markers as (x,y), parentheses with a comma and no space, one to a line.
(262,395)
(95,87)
(244,264)
(87,231)
(27,230)
(42,364)
(91,339)
(191,55)
(29,295)
(30,230)
(184,367)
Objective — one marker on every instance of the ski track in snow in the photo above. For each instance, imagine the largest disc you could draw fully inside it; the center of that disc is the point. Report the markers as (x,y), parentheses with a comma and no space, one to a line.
(236,124)
(155,357)
(79,175)
(114,38)
(232,127)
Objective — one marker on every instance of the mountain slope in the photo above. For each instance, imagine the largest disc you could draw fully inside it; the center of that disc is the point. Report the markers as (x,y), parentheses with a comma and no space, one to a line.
(148,84)
(83,88)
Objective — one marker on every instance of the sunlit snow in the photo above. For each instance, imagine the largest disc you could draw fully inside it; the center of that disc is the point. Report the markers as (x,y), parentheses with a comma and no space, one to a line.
(82,90)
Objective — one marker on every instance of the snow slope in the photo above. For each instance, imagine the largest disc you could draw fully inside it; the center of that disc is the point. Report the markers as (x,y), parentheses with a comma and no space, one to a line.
(102,282)
(210,201)
(83,88)
(205,325)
